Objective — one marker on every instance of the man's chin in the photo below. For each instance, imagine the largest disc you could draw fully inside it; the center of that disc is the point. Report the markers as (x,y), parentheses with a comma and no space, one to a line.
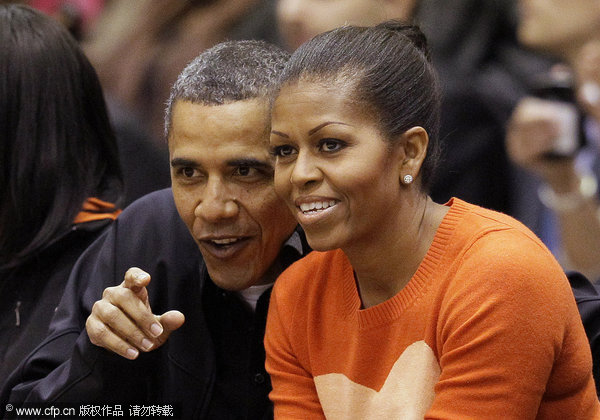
(231,280)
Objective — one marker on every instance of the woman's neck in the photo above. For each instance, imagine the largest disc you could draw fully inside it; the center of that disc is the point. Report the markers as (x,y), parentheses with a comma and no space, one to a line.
(386,264)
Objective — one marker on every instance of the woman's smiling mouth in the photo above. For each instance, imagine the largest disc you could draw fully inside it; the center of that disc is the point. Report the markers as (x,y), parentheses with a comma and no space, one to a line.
(316,206)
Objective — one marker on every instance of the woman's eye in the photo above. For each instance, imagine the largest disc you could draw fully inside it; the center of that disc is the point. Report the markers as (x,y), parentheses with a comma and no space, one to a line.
(283,151)
(330,145)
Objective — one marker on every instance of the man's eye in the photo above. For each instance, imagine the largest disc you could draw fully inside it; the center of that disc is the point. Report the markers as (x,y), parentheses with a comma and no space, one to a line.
(283,151)
(245,171)
(331,145)
(188,172)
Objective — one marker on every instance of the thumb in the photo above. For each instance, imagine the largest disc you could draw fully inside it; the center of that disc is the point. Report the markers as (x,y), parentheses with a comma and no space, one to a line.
(170,321)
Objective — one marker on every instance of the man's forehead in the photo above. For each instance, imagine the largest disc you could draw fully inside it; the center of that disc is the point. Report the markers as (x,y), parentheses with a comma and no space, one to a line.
(184,110)
(239,128)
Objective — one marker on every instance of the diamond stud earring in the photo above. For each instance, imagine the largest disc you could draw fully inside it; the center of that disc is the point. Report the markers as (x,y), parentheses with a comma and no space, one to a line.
(407,179)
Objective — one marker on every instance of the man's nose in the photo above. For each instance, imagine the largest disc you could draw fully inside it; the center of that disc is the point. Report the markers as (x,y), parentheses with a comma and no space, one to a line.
(217,202)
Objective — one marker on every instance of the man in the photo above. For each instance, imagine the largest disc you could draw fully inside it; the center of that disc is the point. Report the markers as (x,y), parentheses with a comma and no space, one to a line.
(204,354)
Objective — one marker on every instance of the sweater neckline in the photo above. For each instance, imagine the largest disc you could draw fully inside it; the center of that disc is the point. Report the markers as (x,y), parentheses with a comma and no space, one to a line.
(392,308)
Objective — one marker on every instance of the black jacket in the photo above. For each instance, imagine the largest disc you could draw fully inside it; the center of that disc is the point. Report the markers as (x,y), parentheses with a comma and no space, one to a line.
(587,297)
(30,293)
(68,368)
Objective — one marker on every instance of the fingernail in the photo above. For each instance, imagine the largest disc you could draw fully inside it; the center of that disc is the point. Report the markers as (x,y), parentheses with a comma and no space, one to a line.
(156,329)
(140,276)
(132,353)
(146,344)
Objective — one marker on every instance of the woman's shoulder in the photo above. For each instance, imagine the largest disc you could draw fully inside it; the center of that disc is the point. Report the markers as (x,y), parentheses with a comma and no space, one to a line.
(492,248)
(473,224)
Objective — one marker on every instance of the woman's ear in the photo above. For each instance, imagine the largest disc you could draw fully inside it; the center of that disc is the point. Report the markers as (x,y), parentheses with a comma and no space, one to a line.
(414,141)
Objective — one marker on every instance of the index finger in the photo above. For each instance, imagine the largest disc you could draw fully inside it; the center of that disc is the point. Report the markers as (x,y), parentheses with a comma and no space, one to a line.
(136,279)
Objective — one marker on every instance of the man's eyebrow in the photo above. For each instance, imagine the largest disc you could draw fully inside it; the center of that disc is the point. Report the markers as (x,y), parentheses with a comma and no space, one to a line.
(183,162)
(251,162)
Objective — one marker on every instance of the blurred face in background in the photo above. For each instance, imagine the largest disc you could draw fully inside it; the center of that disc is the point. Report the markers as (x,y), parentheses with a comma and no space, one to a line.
(300,20)
(558,27)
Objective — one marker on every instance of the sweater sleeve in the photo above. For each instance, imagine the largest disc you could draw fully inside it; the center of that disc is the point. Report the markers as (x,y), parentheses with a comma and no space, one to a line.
(509,336)
(294,394)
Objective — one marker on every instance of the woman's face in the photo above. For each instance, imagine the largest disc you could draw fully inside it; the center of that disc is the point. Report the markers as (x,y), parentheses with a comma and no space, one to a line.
(334,169)
(558,26)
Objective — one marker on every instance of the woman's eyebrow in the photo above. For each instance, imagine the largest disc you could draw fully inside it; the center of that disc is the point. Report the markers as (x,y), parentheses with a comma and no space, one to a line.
(312,130)
(326,123)
(279,133)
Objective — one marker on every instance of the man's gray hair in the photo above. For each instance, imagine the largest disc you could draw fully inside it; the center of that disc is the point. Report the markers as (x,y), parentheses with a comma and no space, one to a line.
(228,72)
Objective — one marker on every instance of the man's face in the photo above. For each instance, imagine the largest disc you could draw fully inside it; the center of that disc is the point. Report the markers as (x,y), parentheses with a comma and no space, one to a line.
(222,179)
(300,20)
(558,26)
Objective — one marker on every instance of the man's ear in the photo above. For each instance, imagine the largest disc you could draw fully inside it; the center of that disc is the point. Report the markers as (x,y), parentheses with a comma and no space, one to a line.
(414,141)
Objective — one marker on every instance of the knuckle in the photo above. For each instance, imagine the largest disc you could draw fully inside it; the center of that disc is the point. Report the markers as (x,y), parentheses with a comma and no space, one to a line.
(111,314)
(115,294)
(96,308)
(96,332)
(109,292)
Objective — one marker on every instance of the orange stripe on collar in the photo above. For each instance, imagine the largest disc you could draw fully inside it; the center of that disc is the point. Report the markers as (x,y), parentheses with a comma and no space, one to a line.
(96,209)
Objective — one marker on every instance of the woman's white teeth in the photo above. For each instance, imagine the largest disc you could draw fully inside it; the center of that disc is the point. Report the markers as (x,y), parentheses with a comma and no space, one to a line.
(225,241)
(317,205)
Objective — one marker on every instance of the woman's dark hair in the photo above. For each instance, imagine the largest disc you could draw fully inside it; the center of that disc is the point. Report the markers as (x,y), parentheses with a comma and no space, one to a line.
(389,72)
(57,147)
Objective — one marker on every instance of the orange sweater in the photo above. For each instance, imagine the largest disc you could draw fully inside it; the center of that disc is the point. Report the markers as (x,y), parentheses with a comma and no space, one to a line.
(487,328)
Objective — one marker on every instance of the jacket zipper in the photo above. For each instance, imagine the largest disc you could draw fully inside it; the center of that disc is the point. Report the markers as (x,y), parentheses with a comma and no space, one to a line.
(18,314)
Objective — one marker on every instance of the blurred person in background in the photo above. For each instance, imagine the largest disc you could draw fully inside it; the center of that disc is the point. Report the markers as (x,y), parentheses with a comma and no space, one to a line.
(554,136)
(77,15)
(144,160)
(59,172)
(483,72)
(139,47)
(557,139)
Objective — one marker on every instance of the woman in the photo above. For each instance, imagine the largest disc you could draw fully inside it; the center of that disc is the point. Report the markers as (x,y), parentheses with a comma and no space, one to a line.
(408,308)
(482,71)
(59,172)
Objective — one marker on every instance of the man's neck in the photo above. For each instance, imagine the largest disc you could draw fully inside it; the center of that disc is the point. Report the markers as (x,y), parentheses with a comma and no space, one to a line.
(253,293)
